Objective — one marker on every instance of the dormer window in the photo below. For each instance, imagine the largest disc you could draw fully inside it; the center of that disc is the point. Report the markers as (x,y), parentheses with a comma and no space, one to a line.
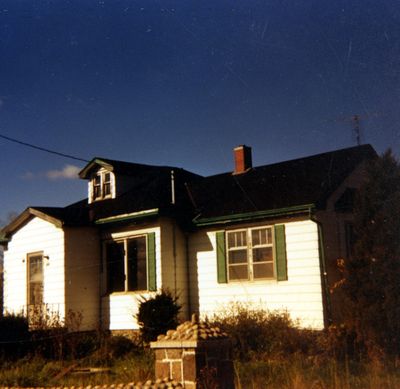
(102,185)
(107,184)
(97,187)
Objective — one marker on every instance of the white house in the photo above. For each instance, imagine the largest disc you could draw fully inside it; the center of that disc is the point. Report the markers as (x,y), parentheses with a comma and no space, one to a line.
(269,236)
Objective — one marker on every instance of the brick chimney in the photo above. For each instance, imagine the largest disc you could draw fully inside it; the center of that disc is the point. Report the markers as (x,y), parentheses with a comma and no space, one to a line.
(242,159)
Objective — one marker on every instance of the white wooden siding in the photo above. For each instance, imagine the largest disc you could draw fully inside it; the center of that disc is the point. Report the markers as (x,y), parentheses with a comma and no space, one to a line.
(174,264)
(36,235)
(82,268)
(300,295)
(122,308)
(118,310)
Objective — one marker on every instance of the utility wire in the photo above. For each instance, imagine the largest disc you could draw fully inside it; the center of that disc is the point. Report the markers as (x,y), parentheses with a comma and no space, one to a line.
(42,148)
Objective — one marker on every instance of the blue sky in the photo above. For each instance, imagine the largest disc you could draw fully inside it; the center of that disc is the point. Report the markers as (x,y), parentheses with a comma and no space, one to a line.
(183,82)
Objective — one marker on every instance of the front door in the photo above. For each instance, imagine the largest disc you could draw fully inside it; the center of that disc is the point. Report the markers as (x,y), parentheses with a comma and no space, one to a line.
(35,286)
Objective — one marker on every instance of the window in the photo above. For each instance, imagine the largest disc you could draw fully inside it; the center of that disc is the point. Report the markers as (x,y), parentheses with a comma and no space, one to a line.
(101,183)
(35,279)
(106,184)
(130,264)
(251,254)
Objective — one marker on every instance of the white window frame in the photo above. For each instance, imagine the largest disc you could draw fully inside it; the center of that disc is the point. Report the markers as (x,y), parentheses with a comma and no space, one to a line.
(101,176)
(125,241)
(249,247)
(29,257)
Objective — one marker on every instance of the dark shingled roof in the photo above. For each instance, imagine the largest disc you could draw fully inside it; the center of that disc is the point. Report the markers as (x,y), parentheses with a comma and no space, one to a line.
(299,182)
(292,183)
(151,189)
(76,214)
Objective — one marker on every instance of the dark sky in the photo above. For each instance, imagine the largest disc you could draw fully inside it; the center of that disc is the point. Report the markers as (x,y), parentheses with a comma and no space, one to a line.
(183,82)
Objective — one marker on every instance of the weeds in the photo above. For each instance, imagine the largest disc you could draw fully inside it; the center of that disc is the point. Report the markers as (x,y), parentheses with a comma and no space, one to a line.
(257,333)
(270,353)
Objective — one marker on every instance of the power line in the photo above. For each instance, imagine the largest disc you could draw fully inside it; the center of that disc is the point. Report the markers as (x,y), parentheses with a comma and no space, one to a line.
(42,148)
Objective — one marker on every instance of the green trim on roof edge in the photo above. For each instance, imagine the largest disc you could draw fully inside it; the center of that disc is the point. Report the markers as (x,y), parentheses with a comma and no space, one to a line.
(135,215)
(253,215)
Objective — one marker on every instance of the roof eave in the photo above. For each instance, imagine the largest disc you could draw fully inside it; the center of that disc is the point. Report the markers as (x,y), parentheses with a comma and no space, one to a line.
(297,210)
(85,172)
(24,217)
(128,216)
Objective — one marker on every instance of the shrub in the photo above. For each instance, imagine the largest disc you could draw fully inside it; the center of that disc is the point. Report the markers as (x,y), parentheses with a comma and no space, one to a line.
(157,315)
(340,343)
(119,346)
(14,335)
(258,331)
(371,275)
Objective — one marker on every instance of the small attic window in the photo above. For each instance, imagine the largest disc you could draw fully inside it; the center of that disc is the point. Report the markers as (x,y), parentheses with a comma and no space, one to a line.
(101,185)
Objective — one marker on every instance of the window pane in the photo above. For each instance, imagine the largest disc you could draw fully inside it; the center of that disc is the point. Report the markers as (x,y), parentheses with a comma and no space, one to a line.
(242,238)
(237,256)
(35,280)
(107,184)
(238,272)
(96,187)
(262,254)
(35,293)
(237,239)
(36,269)
(261,236)
(115,267)
(137,264)
(263,270)
(107,189)
(255,237)
(231,239)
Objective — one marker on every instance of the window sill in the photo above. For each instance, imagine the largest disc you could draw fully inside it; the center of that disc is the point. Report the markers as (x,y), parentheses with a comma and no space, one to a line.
(130,292)
(260,281)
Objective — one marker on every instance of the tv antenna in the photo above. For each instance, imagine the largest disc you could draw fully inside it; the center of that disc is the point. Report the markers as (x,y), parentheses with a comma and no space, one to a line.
(355,121)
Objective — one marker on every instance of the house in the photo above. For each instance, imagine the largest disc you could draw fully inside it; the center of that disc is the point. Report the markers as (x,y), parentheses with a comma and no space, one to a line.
(268,236)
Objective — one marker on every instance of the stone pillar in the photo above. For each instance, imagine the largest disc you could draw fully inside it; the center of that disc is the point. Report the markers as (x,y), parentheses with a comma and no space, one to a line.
(196,355)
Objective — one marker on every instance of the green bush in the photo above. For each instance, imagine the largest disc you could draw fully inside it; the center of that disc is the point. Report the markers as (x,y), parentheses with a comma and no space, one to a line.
(157,315)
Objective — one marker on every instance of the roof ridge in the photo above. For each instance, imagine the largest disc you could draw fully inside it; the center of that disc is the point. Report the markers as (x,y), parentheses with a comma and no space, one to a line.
(305,158)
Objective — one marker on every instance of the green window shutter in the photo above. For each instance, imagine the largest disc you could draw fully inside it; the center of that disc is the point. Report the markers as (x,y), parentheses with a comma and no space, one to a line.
(221,258)
(280,252)
(151,262)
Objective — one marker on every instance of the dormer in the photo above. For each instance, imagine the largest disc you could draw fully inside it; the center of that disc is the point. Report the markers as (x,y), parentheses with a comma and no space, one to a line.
(102,183)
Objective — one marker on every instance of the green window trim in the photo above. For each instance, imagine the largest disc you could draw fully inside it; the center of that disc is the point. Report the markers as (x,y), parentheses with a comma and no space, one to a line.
(280,255)
(151,262)
(221,258)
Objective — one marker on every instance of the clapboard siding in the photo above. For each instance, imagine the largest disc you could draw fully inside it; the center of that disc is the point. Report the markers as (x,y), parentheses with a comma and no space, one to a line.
(123,308)
(300,295)
(82,267)
(37,235)
(174,264)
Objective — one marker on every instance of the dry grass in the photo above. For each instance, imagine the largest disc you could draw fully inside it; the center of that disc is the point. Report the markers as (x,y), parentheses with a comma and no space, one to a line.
(296,373)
